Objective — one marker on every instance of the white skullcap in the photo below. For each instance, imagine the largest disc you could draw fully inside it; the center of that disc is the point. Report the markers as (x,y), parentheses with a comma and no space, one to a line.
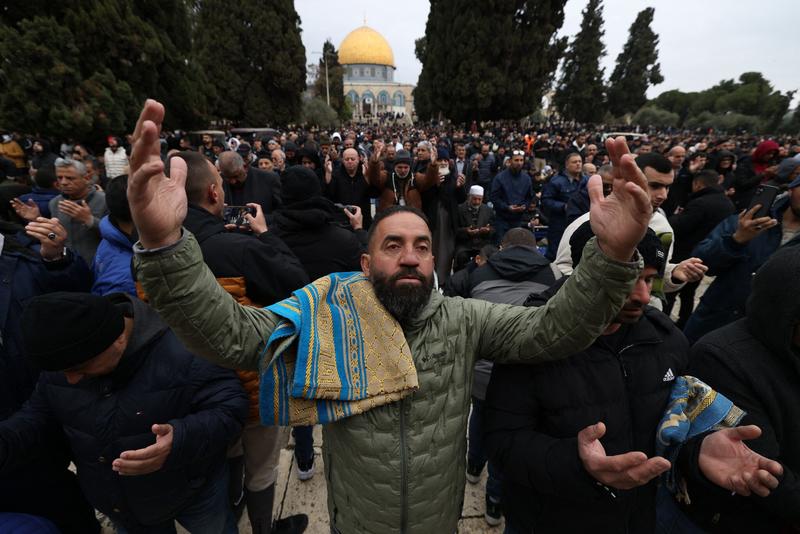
(476,190)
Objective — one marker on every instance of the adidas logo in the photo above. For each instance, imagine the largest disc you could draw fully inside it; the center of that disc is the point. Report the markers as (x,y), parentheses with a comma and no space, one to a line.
(669,376)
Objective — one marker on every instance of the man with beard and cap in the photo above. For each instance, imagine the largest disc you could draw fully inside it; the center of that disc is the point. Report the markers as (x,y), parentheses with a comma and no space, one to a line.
(147,422)
(736,249)
(399,462)
(244,184)
(397,185)
(755,362)
(556,432)
(258,269)
(474,227)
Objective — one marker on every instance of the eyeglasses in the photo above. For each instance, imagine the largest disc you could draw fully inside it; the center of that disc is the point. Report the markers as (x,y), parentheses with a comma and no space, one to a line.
(517,153)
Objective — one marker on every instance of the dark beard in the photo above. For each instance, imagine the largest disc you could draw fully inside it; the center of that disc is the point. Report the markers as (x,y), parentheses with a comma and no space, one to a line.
(402,302)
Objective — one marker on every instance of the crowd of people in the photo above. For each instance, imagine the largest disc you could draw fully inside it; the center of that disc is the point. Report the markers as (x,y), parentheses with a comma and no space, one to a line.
(171,311)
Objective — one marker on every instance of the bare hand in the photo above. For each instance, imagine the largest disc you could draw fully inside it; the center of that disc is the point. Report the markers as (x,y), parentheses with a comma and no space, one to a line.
(750,228)
(27,210)
(620,220)
(727,462)
(42,229)
(79,211)
(696,165)
(377,149)
(623,471)
(356,219)
(689,270)
(147,460)
(258,224)
(158,203)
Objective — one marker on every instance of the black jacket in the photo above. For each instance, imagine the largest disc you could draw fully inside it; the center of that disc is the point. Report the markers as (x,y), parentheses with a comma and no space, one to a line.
(268,266)
(511,275)
(753,362)
(157,381)
(534,413)
(464,220)
(353,191)
(322,245)
(703,212)
(260,187)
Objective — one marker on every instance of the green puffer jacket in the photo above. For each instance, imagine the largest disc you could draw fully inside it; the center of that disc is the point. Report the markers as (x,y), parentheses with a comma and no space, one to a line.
(397,468)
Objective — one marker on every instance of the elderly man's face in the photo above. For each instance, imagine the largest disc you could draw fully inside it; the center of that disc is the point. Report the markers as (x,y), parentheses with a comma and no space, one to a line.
(423,153)
(400,264)
(72,184)
(676,156)
(350,160)
(277,159)
(475,200)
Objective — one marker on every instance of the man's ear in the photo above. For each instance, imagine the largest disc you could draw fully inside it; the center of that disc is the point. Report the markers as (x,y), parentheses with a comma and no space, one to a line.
(365,261)
(212,194)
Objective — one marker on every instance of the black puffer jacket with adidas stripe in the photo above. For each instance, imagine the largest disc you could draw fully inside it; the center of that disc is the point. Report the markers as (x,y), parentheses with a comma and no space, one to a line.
(534,413)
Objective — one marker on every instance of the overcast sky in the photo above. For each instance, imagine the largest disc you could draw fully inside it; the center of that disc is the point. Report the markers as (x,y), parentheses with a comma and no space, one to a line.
(701,41)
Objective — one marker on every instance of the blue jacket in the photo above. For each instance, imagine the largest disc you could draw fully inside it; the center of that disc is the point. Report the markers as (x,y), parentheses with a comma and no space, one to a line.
(509,189)
(733,265)
(157,381)
(555,196)
(42,197)
(112,262)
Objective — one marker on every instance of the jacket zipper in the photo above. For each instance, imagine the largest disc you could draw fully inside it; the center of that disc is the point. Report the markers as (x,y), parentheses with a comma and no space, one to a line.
(403,477)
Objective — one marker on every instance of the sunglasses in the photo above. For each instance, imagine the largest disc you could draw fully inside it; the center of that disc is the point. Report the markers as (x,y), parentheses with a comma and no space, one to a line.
(517,153)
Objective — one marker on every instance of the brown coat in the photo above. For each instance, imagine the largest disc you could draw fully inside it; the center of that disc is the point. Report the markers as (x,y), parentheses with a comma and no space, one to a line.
(379,178)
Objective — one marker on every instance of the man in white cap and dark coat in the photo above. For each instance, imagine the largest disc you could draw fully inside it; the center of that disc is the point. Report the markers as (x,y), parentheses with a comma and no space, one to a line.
(474,227)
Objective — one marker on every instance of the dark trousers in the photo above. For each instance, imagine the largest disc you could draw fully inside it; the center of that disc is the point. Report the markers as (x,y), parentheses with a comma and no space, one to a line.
(303,443)
(476,456)
(686,293)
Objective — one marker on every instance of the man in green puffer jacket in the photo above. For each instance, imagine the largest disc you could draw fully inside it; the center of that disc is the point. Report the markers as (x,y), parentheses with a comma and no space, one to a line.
(399,467)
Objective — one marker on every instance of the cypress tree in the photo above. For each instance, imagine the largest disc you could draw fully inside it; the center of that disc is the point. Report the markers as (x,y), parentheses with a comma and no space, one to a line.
(487,60)
(252,53)
(637,67)
(579,94)
(335,77)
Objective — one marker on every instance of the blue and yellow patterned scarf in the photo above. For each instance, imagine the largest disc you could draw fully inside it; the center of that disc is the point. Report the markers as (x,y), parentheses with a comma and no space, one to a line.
(693,409)
(336,353)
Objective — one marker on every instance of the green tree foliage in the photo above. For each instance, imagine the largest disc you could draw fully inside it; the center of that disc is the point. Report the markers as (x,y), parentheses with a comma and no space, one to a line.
(45,90)
(252,52)
(637,67)
(655,116)
(579,94)
(750,103)
(109,55)
(316,112)
(335,77)
(487,60)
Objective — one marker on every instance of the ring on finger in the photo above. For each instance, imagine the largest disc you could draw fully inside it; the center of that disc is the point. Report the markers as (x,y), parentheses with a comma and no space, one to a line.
(52,236)
(758,227)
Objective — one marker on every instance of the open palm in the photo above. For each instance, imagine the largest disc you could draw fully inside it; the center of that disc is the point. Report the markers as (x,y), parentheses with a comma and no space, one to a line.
(158,202)
(727,462)
(620,220)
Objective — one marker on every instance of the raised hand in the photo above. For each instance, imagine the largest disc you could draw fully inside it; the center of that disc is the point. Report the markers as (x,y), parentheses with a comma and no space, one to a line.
(79,211)
(158,202)
(26,210)
(147,460)
(620,220)
(727,462)
(623,471)
(377,149)
(50,234)
(750,228)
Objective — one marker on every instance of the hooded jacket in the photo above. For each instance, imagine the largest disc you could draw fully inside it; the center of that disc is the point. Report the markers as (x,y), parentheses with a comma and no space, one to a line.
(260,187)
(755,363)
(733,266)
(311,230)
(112,262)
(157,381)
(705,209)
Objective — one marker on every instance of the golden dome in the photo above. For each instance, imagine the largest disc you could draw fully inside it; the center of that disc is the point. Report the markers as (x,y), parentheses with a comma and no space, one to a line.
(365,46)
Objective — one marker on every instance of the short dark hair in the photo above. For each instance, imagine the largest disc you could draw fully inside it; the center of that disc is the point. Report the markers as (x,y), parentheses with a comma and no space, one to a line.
(656,161)
(117,199)
(707,177)
(199,175)
(517,237)
(394,210)
(45,177)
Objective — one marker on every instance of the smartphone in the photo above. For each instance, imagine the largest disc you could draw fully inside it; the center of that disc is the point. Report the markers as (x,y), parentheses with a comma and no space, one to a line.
(350,208)
(764,195)
(235,215)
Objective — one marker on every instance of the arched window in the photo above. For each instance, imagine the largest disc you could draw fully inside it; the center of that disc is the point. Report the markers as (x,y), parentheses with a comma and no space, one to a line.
(399,99)
(352,96)
(383,98)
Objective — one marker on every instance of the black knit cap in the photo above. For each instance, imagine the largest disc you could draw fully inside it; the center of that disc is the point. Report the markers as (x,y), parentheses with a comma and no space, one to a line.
(61,330)
(299,183)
